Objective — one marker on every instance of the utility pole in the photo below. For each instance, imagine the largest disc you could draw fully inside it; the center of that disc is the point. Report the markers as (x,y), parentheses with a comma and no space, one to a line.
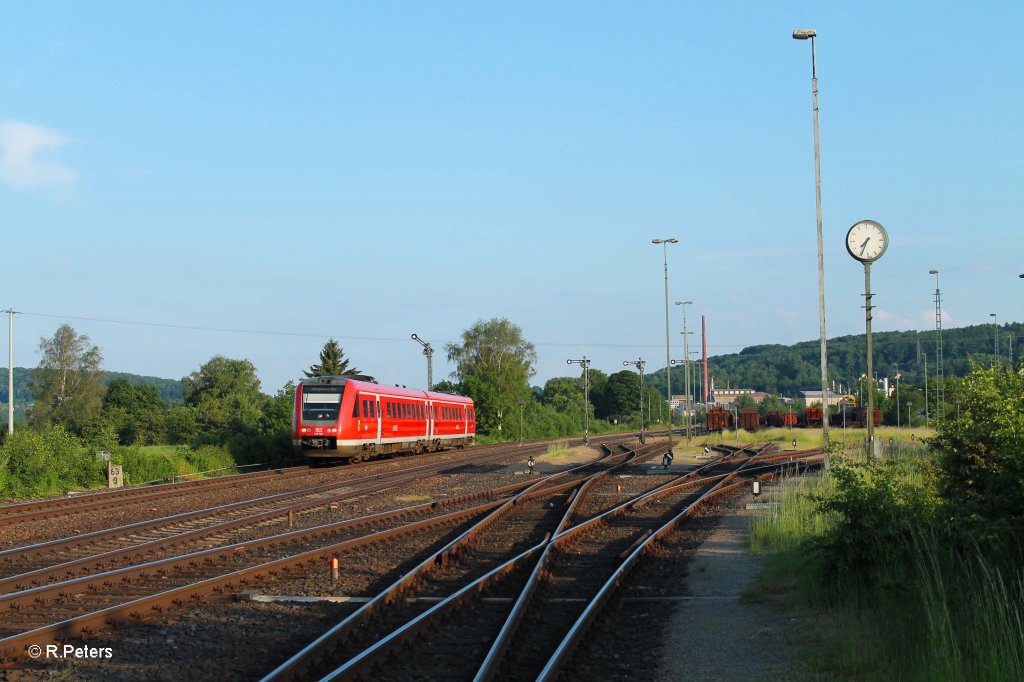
(10,369)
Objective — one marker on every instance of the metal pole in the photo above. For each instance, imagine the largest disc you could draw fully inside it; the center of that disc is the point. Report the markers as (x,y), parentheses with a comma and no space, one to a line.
(668,356)
(995,334)
(871,373)
(940,383)
(925,355)
(10,370)
(897,395)
(428,350)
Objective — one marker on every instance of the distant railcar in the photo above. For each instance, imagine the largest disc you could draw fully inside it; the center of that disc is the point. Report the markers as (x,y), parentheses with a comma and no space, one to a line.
(352,418)
(812,417)
(719,419)
(750,419)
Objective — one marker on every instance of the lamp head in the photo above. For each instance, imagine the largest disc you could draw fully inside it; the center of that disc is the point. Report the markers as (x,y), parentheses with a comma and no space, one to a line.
(683,302)
(804,33)
(933,272)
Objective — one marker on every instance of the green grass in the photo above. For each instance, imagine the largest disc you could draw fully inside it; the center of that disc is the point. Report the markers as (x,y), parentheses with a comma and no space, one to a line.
(949,615)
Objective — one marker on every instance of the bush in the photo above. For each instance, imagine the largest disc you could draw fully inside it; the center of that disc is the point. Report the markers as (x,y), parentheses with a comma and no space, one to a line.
(872,509)
(45,463)
(982,459)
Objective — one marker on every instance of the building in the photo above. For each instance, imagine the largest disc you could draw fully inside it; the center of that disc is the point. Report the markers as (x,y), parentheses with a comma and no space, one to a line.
(814,396)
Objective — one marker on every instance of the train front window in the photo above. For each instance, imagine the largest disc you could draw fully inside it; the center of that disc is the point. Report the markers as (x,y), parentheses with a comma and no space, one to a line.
(321,405)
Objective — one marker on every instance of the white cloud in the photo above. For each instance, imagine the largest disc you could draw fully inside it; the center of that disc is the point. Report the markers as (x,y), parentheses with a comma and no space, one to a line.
(20,167)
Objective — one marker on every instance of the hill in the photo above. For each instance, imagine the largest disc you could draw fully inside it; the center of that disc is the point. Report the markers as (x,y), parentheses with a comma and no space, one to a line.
(785,369)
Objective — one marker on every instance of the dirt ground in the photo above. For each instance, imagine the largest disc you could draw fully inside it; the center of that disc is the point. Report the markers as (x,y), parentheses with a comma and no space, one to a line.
(717,634)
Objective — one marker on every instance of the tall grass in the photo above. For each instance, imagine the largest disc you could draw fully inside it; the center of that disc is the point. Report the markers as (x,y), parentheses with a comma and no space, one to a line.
(973,615)
(946,614)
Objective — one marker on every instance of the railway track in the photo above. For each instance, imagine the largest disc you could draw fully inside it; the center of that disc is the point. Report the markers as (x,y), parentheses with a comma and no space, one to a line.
(546,588)
(79,599)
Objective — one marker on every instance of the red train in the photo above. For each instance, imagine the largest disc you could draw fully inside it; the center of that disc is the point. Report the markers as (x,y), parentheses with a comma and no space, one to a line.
(352,418)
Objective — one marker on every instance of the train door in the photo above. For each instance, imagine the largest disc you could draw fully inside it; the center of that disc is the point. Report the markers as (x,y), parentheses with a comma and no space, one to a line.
(430,422)
(378,415)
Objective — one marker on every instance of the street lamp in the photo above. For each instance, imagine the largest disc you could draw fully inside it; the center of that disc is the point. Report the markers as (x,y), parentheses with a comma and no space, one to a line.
(909,425)
(686,366)
(429,352)
(804,34)
(585,363)
(668,358)
(639,364)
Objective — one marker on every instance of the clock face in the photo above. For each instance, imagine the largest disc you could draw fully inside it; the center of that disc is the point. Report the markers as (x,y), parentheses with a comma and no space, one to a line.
(866,241)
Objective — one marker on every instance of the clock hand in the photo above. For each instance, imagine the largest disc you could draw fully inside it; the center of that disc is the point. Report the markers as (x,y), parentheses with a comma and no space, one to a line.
(864,245)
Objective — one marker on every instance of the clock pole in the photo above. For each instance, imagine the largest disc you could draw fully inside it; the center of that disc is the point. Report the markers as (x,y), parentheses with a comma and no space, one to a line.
(871,374)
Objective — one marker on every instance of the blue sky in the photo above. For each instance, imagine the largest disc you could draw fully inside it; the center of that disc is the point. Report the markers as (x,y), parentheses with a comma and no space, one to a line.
(370,170)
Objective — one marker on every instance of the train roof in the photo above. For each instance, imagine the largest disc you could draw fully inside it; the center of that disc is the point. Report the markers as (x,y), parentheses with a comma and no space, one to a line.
(368,384)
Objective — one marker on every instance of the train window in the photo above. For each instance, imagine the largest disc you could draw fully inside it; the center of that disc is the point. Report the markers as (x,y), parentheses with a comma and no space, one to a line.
(355,407)
(366,408)
(373,409)
(387,409)
(405,410)
(321,403)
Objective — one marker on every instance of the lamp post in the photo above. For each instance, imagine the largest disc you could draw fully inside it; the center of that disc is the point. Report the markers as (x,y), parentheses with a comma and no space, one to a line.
(639,364)
(429,352)
(585,363)
(668,359)
(940,384)
(909,425)
(804,34)
(686,366)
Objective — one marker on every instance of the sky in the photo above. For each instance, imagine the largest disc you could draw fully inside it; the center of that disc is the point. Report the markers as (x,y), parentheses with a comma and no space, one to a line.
(182,180)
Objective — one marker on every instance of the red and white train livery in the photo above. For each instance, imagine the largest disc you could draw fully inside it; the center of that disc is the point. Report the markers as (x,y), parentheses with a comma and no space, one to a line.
(355,417)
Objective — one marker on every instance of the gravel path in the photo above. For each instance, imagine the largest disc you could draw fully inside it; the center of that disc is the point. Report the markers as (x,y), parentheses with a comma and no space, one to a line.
(717,635)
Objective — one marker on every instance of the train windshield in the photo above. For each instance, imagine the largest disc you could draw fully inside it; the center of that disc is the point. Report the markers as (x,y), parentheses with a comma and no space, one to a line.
(321,403)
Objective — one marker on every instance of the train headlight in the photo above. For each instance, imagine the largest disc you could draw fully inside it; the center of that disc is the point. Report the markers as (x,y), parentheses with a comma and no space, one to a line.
(332,430)
(306,429)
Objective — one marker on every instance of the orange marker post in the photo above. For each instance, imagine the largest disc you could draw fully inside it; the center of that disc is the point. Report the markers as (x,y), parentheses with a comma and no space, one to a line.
(334,568)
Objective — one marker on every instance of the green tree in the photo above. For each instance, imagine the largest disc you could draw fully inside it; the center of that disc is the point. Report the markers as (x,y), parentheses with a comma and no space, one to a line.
(225,394)
(332,362)
(136,411)
(981,450)
(67,384)
(621,396)
(494,363)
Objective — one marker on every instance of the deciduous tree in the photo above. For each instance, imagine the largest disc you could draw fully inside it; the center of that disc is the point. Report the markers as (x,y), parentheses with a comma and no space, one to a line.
(67,385)
(494,363)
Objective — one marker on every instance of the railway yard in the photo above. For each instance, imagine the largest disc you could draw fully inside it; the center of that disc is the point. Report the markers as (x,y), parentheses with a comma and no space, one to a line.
(456,565)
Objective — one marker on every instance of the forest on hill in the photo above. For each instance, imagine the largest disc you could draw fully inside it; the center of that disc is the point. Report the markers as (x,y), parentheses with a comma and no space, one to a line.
(785,370)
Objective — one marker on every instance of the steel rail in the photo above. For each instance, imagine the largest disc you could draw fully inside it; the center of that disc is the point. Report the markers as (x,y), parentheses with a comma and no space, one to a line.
(573,636)
(299,665)
(392,479)
(12,647)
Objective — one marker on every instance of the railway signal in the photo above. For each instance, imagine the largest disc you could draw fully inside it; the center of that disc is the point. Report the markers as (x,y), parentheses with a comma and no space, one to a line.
(428,350)
(585,364)
(639,364)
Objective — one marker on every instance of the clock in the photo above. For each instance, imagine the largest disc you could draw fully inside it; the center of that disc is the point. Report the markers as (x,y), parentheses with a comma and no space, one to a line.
(867,241)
